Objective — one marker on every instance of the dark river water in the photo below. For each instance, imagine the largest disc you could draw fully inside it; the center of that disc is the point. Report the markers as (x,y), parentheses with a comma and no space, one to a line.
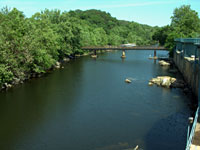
(88,106)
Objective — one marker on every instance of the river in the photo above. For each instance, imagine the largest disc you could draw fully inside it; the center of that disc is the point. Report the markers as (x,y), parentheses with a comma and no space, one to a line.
(88,106)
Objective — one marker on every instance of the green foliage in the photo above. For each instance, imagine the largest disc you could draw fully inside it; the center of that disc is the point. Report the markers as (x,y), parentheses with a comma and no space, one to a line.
(5,75)
(161,34)
(185,24)
(116,32)
(186,21)
(34,45)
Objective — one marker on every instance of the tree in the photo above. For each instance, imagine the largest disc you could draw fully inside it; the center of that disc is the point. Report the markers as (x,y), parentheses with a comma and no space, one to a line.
(161,34)
(13,27)
(30,46)
(186,21)
(101,37)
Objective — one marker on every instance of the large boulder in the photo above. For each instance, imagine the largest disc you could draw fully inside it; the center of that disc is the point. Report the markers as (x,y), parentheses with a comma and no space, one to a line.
(164,81)
(156,81)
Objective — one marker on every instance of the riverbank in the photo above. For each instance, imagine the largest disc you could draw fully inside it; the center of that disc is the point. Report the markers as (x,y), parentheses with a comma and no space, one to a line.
(58,65)
(16,81)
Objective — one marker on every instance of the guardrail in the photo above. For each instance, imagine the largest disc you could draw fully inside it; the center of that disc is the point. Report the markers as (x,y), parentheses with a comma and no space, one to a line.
(191,131)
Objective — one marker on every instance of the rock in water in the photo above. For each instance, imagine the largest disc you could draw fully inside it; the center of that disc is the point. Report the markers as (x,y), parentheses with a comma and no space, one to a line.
(94,56)
(164,63)
(128,81)
(66,59)
(150,83)
(164,81)
(57,65)
(136,148)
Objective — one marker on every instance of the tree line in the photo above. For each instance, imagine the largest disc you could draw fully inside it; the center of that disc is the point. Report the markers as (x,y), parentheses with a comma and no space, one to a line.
(30,46)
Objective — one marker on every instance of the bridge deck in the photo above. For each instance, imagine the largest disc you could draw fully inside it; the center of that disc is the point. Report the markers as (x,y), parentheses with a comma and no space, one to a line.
(125,48)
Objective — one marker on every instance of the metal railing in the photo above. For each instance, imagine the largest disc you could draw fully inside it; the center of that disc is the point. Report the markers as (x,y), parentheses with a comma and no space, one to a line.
(191,130)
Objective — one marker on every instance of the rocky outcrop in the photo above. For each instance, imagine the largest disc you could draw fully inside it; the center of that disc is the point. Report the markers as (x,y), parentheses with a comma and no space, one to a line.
(168,82)
(164,81)
(164,63)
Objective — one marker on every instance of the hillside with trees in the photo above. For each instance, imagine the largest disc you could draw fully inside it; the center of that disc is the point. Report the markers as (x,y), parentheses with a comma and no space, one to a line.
(31,46)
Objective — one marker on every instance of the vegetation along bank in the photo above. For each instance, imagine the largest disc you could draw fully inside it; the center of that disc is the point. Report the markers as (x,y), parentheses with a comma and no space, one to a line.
(31,46)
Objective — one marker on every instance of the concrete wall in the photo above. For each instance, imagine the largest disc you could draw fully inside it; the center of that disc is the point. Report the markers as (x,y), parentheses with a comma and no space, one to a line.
(189,68)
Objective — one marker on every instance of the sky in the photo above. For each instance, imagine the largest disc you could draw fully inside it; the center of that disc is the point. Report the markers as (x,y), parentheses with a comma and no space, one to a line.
(151,12)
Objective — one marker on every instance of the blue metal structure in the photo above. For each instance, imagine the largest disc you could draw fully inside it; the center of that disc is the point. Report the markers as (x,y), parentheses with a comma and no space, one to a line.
(197,61)
(188,49)
(191,131)
(187,45)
